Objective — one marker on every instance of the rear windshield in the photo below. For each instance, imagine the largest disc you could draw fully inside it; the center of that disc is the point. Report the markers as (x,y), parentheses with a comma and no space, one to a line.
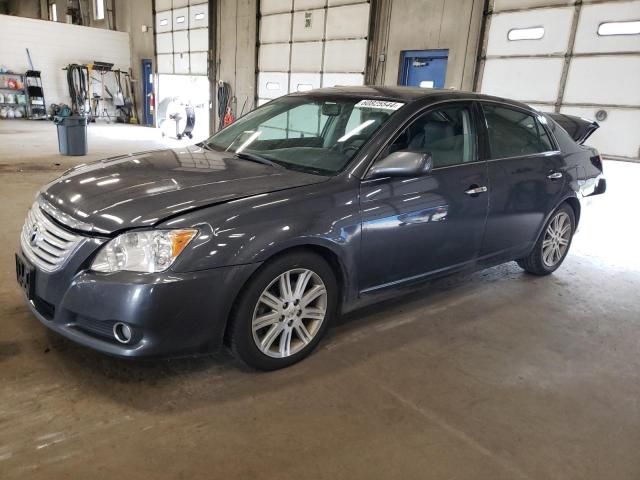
(305,133)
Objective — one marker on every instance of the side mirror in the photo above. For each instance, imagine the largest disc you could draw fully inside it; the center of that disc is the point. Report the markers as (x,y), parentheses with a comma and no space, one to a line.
(403,163)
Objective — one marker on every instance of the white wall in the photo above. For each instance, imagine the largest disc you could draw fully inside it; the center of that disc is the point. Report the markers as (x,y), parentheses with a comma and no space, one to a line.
(54,45)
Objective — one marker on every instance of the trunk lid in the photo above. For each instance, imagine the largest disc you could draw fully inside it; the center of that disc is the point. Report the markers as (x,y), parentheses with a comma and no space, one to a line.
(578,128)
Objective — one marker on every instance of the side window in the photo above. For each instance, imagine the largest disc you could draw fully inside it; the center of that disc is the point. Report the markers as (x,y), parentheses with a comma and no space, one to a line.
(514,133)
(447,133)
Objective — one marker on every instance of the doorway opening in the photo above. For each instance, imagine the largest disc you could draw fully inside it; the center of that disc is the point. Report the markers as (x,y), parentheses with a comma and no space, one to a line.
(180,96)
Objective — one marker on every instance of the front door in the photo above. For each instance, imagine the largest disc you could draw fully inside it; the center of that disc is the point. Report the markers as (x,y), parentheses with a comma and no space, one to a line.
(415,227)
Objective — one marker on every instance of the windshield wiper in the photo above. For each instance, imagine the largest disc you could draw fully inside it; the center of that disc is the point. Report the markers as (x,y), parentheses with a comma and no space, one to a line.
(254,158)
(243,155)
(205,145)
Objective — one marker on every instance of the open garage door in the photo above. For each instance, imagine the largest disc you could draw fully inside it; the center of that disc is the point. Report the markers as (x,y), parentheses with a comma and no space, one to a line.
(182,43)
(579,59)
(306,44)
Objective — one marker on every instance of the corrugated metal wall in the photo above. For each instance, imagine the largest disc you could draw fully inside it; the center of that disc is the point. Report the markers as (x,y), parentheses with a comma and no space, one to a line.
(571,68)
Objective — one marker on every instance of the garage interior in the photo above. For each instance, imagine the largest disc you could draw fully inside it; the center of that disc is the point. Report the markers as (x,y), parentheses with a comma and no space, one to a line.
(497,374)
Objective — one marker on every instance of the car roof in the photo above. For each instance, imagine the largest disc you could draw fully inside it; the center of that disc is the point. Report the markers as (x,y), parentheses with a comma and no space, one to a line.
(405,94)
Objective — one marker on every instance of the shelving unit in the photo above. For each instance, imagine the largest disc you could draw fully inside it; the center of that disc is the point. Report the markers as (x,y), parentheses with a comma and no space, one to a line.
(34,106)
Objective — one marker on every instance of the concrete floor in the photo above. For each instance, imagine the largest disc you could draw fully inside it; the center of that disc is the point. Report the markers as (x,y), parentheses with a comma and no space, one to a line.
(496,375)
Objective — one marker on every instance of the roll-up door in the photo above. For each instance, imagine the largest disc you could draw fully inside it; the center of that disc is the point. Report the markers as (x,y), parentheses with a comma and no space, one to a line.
(182,44)
(307,44)
(182,36)
(581,59)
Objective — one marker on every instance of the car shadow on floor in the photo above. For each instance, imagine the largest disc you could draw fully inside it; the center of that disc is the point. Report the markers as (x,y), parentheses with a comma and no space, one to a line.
(167,385)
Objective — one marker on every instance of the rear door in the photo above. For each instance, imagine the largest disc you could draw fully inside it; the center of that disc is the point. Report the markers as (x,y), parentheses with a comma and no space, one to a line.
(414,227)
(526,178)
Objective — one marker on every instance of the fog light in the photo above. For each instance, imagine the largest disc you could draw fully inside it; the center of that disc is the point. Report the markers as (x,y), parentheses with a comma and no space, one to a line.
(122,332)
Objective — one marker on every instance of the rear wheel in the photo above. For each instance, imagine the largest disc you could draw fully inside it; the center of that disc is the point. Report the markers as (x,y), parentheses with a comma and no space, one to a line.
(284,311)
(553,245)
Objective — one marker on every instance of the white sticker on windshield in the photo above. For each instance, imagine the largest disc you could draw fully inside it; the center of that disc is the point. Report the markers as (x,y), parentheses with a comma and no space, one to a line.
(379,104)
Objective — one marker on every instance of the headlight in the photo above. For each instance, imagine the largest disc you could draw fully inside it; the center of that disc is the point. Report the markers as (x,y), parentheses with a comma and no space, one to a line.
(142,251)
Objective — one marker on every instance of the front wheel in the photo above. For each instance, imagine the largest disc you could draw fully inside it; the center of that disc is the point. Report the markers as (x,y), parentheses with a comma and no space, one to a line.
(553,245)
(284,311)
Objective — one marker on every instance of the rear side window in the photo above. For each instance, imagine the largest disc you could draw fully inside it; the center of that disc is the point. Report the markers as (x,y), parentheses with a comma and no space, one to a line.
(514,133)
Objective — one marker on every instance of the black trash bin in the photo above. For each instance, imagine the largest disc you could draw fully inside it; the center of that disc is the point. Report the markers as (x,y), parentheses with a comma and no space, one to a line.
(72,135)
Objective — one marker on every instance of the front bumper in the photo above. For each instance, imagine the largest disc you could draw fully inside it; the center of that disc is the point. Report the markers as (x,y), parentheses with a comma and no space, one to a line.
(169,313)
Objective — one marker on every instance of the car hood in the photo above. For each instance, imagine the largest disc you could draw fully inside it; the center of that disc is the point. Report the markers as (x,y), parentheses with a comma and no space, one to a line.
(140,190)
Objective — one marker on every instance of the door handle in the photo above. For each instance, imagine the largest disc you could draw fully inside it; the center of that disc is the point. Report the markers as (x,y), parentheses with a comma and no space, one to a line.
(554,176)
(474,191)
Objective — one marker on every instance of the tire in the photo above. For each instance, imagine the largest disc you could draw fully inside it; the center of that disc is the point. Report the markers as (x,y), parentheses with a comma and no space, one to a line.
(267,318)
(541,261)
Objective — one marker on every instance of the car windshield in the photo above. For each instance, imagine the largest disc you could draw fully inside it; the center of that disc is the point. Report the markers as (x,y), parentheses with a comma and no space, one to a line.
(316,135)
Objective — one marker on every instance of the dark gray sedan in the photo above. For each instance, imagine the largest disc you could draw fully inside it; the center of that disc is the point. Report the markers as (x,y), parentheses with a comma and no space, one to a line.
(310,206)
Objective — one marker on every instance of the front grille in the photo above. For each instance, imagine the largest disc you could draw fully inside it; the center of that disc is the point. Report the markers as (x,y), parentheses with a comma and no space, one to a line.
(45,244)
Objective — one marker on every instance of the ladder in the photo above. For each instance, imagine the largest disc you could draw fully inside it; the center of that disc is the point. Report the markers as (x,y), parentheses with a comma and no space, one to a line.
(36,107)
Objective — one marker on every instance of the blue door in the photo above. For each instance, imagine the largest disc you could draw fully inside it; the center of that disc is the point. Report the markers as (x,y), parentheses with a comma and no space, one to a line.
(424,68)
(147,91)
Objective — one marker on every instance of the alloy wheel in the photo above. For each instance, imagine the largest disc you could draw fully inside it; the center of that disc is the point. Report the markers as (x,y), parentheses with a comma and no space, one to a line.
(289,313)
(556,239)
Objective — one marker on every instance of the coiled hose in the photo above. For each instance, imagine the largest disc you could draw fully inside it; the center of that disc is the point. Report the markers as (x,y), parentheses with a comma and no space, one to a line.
(77,82)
